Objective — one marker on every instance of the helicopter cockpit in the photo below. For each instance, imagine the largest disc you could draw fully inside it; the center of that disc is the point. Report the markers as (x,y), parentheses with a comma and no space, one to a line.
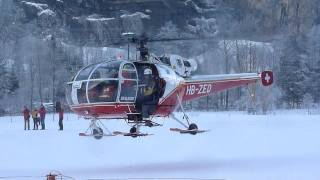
(106,82)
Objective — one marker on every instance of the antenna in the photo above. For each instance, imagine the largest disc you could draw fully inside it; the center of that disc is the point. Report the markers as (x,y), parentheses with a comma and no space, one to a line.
(129,36)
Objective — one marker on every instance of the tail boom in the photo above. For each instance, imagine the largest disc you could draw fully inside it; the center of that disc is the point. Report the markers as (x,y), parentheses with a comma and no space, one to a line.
(200,86)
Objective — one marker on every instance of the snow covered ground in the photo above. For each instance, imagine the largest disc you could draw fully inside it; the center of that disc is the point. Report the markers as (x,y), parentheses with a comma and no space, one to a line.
(282,145)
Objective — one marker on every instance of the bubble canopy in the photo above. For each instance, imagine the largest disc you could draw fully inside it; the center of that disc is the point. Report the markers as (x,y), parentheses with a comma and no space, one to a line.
(106,82)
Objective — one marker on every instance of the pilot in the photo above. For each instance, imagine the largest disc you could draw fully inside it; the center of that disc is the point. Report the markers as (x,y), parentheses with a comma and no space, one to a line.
(147,103)
(149,87)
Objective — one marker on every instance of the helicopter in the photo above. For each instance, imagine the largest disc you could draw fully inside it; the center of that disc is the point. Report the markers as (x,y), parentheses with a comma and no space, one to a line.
(137,91)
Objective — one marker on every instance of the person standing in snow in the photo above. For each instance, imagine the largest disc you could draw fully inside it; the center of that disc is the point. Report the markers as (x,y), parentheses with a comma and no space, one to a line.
(26,115)
(61,119)
(42,112)
(34,114)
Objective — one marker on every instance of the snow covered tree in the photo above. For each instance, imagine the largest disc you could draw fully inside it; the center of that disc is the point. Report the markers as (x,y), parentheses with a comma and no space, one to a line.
(8,82)
(291,74)
(315,79)
(313,84)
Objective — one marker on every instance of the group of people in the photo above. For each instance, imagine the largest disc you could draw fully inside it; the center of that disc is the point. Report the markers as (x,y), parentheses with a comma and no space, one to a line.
(38,117)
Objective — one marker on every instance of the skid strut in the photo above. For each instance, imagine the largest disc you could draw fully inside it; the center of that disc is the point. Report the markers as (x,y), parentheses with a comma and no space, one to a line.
(190,128)
(137,119)
(96,129)
(134,132)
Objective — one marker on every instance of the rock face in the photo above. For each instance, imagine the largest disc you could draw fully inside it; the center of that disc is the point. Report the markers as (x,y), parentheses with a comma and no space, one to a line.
(101,22)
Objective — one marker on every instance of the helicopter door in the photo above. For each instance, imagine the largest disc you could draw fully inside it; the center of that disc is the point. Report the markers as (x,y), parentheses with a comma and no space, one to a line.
(129,83)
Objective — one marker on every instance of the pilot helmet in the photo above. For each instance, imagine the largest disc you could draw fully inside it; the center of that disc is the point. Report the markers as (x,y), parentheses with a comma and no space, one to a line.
(147,71)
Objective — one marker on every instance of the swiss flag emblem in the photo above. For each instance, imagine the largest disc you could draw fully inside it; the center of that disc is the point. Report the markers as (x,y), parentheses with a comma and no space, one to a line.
(267,78)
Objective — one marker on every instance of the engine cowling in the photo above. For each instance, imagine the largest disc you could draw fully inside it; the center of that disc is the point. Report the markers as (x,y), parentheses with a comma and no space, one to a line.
(182,66)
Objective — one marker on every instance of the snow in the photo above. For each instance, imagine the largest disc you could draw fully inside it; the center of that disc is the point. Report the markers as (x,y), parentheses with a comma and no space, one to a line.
(196,7)
(201,10)
(148,11)
(47,12)
(97,18)
(281,145)
(139,14)
(9,63)
(206,27)
(39,6)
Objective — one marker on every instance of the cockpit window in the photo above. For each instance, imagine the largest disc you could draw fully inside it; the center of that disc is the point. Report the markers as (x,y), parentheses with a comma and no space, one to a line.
(129,71)
(165,60)
(107,70)
(128,90)
(84,73)
(128,67)
(81,93)
(105,82)
(103,91)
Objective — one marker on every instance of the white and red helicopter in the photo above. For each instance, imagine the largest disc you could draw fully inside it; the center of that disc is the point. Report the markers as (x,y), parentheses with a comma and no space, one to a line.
(137,91)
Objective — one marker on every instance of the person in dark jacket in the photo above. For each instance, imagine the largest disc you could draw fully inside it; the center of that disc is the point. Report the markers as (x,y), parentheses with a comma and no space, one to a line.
(61,119)
(26,116)
(42,112)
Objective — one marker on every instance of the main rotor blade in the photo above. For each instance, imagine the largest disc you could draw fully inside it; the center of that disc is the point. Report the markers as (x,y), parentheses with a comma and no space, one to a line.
(122,41)
(180,39)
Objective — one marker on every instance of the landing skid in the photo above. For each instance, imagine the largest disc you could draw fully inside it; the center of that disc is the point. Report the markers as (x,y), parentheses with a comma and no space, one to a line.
(91,135)
(97,130)
(186,131)
(134,132)
(131,134)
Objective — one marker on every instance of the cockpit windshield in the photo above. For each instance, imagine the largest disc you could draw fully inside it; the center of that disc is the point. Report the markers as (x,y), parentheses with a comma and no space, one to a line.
(106,70)
(112,81)
(102,91)
(85,72)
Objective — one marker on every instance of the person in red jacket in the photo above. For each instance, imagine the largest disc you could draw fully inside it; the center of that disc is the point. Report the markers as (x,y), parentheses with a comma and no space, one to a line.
(61,119)
(42,112)
(26,116)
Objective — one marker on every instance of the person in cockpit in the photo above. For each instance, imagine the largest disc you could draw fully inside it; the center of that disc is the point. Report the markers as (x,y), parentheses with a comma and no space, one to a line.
(149,83)
(109,93)
(149,93)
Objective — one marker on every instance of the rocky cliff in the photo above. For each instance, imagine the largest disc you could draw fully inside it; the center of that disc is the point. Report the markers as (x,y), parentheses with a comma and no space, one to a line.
(100,22)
